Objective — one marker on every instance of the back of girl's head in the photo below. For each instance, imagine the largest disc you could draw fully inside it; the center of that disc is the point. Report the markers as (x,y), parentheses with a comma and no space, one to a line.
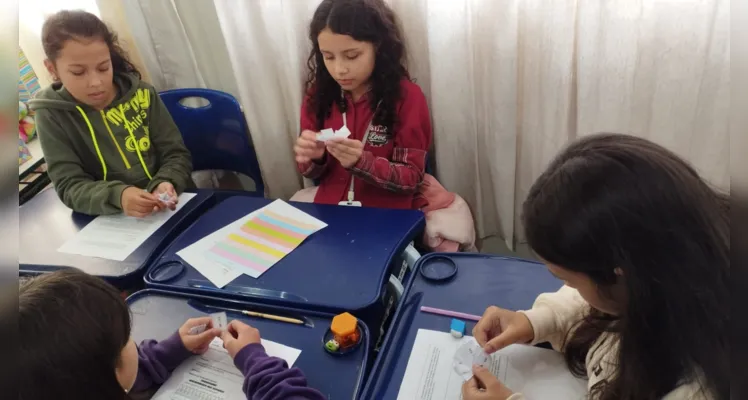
(365,21)
(76,25)
(73,328)
(616,201)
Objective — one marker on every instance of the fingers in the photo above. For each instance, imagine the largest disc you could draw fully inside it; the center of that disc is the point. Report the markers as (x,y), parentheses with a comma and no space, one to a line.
(483,377)
(209,334)
(490,384)
(227,337)
(471,390)
(238,326)
(509,336)
(308,135)
(193,322)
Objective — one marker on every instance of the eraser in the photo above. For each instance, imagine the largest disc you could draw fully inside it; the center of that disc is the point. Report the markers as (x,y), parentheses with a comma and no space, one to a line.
(457,328)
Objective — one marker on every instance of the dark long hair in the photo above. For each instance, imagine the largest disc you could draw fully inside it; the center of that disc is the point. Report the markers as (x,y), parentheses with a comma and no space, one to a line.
(72,24)
(365,21)
(616,201)
(73,328)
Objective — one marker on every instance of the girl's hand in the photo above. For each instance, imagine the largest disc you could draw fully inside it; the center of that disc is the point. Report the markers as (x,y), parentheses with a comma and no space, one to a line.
(499,328)
(199,343)
(347,151)
(237,336)
(138,203)
(168,188)
(307,147)
(484,386)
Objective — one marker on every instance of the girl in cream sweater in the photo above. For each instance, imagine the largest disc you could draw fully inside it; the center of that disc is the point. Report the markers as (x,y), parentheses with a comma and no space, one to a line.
(642,244)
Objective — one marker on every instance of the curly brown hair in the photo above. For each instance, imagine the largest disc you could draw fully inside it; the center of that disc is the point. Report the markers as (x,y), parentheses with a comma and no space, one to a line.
(365,21)
(71,24)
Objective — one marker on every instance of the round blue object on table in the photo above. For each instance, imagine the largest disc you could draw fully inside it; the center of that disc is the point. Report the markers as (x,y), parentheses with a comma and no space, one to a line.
(439,268)
(166,271)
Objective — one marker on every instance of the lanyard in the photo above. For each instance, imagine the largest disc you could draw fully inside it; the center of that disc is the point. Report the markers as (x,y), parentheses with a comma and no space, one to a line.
(351,194)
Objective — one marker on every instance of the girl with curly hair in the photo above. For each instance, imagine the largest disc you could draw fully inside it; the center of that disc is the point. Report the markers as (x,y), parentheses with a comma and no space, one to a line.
(358,83)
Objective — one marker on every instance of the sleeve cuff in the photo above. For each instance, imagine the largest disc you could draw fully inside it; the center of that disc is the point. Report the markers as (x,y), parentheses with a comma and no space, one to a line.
(248,355)
(364,162)
(155,182)
(542,321)
(174,345)
(115,195)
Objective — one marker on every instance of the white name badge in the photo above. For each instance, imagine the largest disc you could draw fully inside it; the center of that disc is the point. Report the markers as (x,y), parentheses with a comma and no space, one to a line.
(350,203)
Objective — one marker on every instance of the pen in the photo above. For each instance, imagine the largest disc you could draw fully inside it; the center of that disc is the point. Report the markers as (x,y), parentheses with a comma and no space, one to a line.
(246,290)
(448,313)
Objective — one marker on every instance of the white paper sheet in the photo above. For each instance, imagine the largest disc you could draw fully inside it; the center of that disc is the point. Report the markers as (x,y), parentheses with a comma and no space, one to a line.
(115,237)
(220,274)
(213,376)
(537,373)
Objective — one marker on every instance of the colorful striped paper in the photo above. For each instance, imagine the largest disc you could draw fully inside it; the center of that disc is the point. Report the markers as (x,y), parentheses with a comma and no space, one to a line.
(265,238)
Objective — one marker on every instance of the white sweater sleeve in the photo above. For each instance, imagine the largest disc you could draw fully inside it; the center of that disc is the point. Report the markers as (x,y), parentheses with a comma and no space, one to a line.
(554,314)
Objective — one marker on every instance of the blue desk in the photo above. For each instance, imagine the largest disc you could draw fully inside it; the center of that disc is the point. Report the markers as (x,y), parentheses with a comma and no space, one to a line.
(342,267)
(158,314)
(46,224)
(481,281)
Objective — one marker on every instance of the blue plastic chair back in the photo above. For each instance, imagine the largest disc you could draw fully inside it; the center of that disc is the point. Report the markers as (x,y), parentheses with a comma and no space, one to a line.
(216,134)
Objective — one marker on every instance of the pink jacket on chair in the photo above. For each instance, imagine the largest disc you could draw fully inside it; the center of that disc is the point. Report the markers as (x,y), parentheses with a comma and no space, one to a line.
(449,222)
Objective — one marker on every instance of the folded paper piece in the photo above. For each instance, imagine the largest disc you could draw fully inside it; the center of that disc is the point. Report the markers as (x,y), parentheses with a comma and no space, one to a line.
(327,134)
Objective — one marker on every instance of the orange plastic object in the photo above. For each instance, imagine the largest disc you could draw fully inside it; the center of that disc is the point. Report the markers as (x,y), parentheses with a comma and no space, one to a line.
(345,329)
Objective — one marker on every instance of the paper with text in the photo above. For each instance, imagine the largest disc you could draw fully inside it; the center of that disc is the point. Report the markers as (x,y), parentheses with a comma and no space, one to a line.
(115,237)
(535,372)
(213,376)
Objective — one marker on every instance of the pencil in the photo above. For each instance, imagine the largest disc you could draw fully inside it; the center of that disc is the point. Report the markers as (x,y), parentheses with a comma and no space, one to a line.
(273,317)
(259,315)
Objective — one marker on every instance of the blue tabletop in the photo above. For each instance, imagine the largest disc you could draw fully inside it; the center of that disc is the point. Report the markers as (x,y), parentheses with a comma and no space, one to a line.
(481,281)
(46,224)
(158,314)
(342,267)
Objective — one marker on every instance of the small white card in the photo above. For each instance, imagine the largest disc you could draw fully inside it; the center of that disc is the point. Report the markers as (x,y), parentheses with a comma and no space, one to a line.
(220,320)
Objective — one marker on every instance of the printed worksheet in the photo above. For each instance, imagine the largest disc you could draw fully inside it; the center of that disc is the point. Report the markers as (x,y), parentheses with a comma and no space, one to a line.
(213,376)
(537,373)
(115,237)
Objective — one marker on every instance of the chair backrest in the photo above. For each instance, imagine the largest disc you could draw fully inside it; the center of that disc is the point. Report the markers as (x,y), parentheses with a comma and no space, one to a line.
(216,134)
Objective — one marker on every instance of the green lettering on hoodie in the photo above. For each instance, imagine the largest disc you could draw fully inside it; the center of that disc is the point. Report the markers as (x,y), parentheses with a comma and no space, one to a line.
(92,159)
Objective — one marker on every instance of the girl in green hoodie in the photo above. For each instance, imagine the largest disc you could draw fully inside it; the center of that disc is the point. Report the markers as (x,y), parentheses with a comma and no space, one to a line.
(109,142)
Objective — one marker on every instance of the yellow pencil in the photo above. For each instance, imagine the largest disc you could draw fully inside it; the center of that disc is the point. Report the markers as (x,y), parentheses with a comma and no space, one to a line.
(273,317)
(260,315)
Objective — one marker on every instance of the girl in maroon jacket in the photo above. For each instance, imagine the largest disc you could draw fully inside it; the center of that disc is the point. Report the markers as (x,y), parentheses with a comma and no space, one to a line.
(358,80)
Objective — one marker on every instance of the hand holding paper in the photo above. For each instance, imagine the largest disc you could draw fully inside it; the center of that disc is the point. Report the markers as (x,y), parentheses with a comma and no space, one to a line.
(347,151)
(239,335)
(307,148)
(195,335)
(484,386)
(499,328)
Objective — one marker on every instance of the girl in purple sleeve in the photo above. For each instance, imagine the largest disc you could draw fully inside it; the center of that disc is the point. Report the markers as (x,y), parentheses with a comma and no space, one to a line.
(75,344)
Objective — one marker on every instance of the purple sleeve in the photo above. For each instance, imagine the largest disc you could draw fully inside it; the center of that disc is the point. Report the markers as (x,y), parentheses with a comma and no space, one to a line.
(156,361)
(268,378)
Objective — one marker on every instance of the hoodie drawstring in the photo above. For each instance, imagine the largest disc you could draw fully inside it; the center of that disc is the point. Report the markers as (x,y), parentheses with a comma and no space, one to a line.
(93,137)
(98,152)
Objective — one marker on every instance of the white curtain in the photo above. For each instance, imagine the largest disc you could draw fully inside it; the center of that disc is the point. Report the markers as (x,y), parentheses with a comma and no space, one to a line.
(509,82)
